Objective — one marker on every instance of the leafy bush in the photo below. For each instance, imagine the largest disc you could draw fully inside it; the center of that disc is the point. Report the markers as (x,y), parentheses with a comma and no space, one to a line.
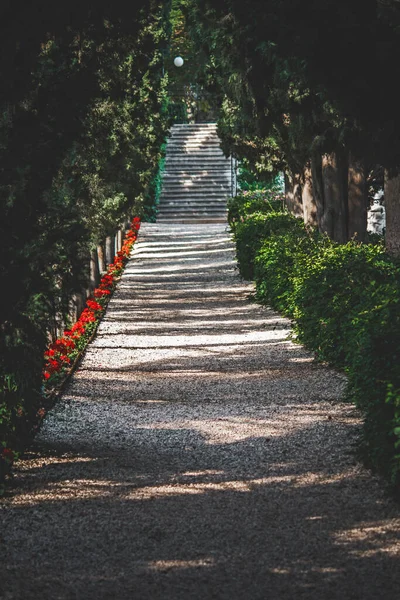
(247,203)
(251,233)
(345,302)
(276,266)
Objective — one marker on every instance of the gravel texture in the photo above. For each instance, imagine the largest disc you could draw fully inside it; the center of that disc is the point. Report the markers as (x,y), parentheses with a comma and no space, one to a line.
(197,453)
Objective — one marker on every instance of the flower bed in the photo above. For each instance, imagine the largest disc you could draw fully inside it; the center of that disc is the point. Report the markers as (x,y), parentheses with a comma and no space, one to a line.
(64,352)
(62,355)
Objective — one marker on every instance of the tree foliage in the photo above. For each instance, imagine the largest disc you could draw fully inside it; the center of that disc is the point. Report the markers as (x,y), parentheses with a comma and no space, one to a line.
(82,120)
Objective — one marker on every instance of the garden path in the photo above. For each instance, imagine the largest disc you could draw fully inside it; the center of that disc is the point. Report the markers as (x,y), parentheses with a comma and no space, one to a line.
(197,453)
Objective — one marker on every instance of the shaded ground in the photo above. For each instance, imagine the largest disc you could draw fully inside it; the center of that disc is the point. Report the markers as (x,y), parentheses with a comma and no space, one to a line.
(197,453)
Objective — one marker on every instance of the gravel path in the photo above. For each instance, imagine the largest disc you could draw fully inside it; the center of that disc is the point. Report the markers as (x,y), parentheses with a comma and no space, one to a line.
(197,454)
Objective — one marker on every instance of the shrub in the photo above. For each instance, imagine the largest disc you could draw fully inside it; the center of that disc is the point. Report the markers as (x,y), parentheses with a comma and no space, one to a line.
(276,266)
(247,203)
(345,302)
(251,233)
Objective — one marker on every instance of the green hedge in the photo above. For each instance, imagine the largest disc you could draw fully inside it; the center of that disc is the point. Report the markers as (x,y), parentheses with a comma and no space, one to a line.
(250,234)
(249,202)
(345,304)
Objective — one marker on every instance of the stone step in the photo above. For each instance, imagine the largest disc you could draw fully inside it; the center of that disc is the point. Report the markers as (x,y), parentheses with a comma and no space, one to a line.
(199,140)
(194,125)
(207,200)
(203,165)
(190,212)
(194,138)
(197,171)
(182,175)
(197,156)
(200,152)
(196,181)
(190,186)
(191,140)
(191,215)
(197,177)
(194,132)
(215,202)
(196,220)
(195,191)
(180,195)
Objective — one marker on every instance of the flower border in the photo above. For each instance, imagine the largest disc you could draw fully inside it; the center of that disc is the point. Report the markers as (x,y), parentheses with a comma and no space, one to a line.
(63,355)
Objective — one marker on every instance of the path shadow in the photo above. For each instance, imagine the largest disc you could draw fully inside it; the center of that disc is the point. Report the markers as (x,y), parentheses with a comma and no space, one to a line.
(170,513)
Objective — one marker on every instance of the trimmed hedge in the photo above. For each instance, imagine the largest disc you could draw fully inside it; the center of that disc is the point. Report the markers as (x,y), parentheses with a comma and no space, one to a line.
(251,233)
(345,304)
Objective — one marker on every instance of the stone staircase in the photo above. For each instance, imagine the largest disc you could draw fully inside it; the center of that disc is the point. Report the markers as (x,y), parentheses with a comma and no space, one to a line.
(197,176)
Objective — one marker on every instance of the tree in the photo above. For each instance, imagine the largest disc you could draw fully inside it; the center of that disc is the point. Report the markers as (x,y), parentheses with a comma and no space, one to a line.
(82,120)
(311,73)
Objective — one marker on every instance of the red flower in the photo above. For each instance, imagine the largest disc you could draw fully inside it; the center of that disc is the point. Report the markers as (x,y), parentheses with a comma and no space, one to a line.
(99,293)
(53,365)
(57,355)
(87,316)
(94,305)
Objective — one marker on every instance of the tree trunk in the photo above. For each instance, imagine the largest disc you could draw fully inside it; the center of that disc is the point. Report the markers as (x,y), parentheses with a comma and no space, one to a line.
(78,304)
(94,270)
(307,197)
(110,249)
(318,188)
(392,206)
(357,200)
(334,219)
(293,194)
(101,257)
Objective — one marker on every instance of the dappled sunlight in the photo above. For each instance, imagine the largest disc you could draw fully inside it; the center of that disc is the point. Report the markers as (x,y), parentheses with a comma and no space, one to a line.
(186,294)
(222,323)
(369,539)
(163,270)
(173,341)
(190,484)
(197,440)
(306,359)
(167,565)
(205,482)
(164,253)
(223,430)
(177,267)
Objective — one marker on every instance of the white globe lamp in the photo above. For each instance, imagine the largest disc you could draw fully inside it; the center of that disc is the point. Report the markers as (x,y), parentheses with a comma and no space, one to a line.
(178,61)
